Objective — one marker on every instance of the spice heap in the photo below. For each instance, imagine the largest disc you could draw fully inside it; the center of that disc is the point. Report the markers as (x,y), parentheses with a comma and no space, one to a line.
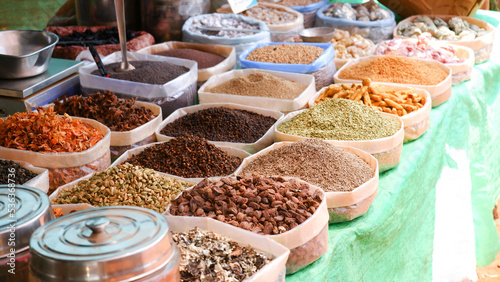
(187,156)
(349,46)
(46,132)
(152,72)
(317,162)
(208,256)
(341,119)
(445,54)
(286,54)
(117,114)
(9,168)
(269,15)
(99,37)
(454,29)
(124,185)
(204,59)
(218,21)
(293,3)
(396,70)
(221,124)
(369,11)
(264,205)
(377,96)
(261,84)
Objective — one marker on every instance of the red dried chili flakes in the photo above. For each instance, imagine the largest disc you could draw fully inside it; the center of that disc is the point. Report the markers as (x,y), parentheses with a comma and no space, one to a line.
(46,132)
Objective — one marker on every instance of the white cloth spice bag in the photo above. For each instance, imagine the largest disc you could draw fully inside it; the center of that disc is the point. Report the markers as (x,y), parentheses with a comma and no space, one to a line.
(278,253)
(41,181)
(282,105)
(135,151)
(264,141)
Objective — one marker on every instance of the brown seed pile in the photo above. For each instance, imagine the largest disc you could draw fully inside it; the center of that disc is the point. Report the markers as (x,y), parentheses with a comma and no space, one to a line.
(204,59)
(209,256)
(396,69)
(261,84)
(187,156)
(264,205)
(317,162)
(286,54)
(106,108)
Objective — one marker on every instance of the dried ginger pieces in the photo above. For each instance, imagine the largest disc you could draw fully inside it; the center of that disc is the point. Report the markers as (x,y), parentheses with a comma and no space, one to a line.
(381,98)
(46,132)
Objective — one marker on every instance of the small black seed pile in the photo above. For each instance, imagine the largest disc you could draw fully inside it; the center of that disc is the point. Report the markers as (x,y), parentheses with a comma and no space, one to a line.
(18,176)
(221,124)
(187,156)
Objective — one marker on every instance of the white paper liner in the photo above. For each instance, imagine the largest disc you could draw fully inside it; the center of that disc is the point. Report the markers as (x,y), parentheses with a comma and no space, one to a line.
(230,150)
(276,104)
(348,213)
(436,91)
(41,181)
(203,74)
(278,253)
(264,141)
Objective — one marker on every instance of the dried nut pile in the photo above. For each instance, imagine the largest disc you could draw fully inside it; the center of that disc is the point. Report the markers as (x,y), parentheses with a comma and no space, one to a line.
(204,59)
(264,205)
(377,96)
(46,132)
(261,84)
(124,185)
(209,256)
(369,11)
(221,124)
(106,108)
(293,3)
(286,54)
(341,119)
(331,168)
(269,15)
(454,29)
(350,46)
(151,72)
(13,173)
(187,156)
(218,21)
(384,68)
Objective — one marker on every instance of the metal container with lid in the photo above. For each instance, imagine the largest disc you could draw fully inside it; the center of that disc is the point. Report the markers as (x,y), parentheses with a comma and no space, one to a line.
(22,210)
(121,243)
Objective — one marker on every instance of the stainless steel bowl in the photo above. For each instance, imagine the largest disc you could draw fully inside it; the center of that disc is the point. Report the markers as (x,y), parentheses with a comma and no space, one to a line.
(317,34)
(25,53)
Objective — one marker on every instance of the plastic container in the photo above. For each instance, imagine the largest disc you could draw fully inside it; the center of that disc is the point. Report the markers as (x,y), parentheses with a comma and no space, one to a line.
(482,45)
(40,182)
(275,104)
(323,68)
(440,92)
(264,141)
(177,93)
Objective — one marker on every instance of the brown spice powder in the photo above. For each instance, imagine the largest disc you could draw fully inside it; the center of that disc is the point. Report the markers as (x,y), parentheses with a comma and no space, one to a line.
(286,54)
(396,69)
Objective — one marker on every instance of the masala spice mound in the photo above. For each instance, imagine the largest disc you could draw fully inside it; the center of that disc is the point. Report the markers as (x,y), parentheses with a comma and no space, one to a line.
(46,132)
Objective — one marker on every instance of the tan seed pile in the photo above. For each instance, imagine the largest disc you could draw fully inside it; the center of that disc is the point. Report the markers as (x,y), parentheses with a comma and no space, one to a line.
(286,54)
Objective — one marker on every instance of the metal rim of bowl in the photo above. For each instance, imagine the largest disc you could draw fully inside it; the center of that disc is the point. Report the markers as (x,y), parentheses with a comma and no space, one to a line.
(51,36)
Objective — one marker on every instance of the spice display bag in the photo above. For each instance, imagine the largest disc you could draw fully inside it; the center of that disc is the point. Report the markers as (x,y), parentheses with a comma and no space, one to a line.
(203,74)
(376,31)
(66,167)
(337,200)
(415,123)
(264,141)
(482,45)
(309,12)
(179,92)
(386,150)
(41,181)
(278,253)
(323,68)
(440,92)
(132,152)
(282,105)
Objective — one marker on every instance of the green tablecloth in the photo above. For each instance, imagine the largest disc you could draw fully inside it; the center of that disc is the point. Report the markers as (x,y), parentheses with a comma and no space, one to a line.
(394,240)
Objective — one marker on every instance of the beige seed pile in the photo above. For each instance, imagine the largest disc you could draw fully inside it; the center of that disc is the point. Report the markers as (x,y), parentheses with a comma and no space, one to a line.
(331,168)
(286,54)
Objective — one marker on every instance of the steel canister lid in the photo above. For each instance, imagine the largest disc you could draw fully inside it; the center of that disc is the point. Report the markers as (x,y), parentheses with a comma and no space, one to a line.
(110,243)
(22,210)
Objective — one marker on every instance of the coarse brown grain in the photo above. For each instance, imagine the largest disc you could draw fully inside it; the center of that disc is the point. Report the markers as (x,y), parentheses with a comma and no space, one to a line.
(261,84)
(396,69)
(286,54)
(204,59)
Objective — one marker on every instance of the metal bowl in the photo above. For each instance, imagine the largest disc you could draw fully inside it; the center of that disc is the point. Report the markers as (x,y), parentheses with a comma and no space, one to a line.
(317,34)
(25,53)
